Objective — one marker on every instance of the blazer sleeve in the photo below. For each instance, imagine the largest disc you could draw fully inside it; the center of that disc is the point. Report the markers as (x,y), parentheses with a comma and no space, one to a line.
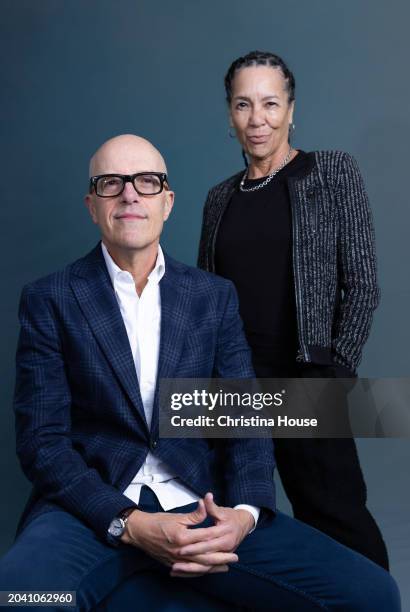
(42,405)
(357,267)
(248,462)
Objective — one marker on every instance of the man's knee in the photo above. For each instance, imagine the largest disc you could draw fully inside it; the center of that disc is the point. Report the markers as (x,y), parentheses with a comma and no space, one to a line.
(373,591)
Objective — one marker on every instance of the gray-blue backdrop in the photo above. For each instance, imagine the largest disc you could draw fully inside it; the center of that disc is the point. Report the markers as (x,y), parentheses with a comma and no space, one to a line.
(75,73)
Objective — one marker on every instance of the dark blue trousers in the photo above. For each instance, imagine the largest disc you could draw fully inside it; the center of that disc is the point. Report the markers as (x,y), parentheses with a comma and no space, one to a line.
(284,566)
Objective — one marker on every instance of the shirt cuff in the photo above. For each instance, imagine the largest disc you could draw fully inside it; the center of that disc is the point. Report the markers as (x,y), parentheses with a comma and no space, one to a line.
(254,510)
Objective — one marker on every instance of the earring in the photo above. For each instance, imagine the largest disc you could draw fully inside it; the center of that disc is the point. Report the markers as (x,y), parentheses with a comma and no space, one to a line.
(232,134)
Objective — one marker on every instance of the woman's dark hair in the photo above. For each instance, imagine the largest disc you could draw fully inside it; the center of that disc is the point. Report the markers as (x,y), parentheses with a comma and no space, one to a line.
(260,58)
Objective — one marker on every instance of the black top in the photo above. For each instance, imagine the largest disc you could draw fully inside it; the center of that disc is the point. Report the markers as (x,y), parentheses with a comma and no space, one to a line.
(254,250)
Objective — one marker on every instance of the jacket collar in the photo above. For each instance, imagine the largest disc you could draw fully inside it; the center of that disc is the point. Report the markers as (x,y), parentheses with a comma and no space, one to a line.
(305,168)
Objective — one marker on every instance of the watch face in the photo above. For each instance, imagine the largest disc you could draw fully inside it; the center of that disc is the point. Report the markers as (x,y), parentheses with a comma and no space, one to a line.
(116,527)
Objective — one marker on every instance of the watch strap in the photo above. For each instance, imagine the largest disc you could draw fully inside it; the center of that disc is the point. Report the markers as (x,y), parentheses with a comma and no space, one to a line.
(125,513)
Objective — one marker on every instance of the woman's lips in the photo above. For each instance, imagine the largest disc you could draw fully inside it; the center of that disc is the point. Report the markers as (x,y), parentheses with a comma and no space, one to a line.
(258,139)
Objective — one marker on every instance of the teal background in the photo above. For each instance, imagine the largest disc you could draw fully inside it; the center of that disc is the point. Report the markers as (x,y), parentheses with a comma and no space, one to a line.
(75,73)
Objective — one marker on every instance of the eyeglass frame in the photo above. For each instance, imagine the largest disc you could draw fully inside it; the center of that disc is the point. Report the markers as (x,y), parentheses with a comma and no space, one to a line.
(128,178)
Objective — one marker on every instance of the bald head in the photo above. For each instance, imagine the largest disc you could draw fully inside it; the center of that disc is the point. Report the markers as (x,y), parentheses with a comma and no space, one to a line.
(126,154)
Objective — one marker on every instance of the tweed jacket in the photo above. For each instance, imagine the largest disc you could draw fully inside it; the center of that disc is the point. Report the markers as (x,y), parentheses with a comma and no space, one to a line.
(334,262)
(80,423)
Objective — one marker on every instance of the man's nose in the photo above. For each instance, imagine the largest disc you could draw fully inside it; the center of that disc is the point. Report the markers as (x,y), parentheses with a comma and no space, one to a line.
(129,195)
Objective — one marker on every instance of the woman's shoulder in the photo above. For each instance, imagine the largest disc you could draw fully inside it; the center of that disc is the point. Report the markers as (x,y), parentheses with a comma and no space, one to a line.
(336,166)
(331,156)
(333,159)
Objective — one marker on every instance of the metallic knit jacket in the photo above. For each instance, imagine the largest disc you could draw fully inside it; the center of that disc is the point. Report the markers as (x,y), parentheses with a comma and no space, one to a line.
(334,262)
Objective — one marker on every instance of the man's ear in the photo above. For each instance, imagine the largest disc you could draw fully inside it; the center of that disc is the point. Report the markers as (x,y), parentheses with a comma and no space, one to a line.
(169,203)
(90,204)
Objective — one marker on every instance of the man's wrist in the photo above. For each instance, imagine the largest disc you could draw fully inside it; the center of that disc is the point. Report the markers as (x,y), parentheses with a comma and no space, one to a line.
(254,511)
(131,531)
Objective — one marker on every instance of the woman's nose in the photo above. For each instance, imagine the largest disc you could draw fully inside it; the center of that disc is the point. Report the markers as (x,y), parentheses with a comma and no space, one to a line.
(257,117)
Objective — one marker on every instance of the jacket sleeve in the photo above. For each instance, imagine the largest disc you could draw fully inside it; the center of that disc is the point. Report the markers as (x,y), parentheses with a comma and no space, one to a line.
(357,267)
(42,405)
(249,462)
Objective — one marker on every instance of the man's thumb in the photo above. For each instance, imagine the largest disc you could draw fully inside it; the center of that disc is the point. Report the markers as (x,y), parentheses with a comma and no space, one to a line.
(212,508)
(198,515)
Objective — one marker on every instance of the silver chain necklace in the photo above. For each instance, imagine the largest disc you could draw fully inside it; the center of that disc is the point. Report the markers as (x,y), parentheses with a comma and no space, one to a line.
(268,178)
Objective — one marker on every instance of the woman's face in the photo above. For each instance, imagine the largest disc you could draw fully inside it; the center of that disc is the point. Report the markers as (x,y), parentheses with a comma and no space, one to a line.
(260,111)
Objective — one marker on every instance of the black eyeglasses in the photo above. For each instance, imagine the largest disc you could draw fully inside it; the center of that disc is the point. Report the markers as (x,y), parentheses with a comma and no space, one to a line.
(111,185)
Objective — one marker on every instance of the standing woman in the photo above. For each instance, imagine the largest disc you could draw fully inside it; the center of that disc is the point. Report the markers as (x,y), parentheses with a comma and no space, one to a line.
(293,232)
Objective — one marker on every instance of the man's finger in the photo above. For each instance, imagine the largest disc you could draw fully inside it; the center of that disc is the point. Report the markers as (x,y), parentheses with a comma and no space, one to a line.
(197,568)
(190,567)
(214,558)
(216,545)
(202,534)
(212,508)
(219,569)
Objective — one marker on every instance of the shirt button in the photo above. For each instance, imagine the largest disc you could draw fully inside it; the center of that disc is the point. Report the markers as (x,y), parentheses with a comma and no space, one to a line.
(153,444)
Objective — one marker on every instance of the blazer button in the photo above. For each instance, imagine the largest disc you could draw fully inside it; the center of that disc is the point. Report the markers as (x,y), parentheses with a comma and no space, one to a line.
(310,193)
(153,445)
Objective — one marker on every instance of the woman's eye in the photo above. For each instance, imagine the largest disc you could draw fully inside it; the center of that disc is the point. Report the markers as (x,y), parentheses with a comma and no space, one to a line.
(271,104)
(241,105)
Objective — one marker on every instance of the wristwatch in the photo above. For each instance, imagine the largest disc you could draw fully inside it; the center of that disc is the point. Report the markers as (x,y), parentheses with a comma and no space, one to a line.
(117,526)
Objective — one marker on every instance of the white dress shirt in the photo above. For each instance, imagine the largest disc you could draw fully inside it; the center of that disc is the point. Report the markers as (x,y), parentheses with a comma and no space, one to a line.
(142,320)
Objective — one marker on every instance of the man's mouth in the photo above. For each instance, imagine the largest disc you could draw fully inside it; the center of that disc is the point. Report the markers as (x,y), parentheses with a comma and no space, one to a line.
(130,216)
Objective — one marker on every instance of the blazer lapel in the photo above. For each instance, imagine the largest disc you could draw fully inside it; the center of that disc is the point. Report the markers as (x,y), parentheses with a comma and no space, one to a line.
(92,287)
(175,287)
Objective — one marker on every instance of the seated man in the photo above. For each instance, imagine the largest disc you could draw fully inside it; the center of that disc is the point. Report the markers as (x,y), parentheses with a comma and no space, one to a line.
(112,502)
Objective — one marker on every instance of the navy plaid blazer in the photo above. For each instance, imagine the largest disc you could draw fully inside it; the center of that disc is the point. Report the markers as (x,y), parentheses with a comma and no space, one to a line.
(80,424)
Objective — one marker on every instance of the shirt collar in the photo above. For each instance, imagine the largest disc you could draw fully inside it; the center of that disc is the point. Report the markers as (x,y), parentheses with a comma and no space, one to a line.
(115,271)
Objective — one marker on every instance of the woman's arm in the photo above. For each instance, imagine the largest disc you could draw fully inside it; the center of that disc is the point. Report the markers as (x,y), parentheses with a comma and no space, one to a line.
(356,267)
